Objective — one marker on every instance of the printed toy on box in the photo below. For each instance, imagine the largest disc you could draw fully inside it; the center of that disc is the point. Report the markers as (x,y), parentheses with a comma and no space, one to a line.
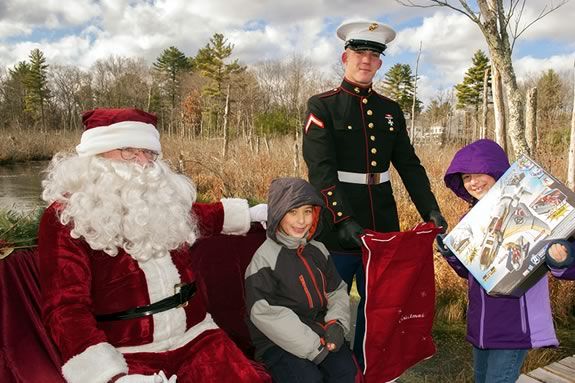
(501,241)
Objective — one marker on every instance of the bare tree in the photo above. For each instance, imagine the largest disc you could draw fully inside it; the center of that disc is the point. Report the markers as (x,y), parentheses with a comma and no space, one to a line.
(414,104)
(501,28)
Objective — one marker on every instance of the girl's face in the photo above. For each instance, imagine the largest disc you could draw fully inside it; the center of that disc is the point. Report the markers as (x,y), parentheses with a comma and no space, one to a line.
(297,222)
(477,184)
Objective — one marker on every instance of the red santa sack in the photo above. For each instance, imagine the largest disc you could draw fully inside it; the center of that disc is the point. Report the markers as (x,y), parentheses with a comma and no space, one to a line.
(400,301)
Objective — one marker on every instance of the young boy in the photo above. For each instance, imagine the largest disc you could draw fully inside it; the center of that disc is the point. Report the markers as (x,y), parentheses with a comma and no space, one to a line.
(297,304)
(501,329)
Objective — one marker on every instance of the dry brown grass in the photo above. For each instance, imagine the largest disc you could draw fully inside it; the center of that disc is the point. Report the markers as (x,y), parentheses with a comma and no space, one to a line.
(247,173)
(21,145)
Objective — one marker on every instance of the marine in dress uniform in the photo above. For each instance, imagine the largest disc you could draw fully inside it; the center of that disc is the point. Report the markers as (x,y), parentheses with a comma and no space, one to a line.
(352,135)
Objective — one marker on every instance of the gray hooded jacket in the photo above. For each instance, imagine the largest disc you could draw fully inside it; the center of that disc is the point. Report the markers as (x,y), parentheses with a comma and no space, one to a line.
(292,286)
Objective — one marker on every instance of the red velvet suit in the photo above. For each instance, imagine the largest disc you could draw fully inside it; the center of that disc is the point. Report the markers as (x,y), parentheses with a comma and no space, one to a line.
(78,283)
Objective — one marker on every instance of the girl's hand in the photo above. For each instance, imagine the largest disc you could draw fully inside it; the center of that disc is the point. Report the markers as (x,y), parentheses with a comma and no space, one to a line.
(558,252)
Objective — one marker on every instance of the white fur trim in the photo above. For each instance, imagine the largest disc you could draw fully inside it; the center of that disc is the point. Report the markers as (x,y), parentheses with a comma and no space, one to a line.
(161,277)
(236,216)
(125,134)
(176,342)
(96,364)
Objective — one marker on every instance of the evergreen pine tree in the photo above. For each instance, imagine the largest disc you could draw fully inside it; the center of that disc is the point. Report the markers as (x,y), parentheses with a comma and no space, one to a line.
(470,92)
(171,64)
(211,62)
(550,95)
(398,84)
(37,85)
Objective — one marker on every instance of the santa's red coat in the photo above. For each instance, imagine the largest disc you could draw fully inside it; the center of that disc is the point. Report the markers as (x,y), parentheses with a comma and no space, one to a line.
(78,283)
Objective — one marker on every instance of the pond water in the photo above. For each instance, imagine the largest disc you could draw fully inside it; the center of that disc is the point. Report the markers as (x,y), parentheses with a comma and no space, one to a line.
(20,186)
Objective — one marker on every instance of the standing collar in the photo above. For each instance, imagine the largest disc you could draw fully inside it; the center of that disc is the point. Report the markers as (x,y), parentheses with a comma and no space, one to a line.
(356,89)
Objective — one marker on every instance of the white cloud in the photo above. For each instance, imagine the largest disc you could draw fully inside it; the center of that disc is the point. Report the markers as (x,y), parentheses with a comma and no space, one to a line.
(47,14)
(528,66)
(79,32)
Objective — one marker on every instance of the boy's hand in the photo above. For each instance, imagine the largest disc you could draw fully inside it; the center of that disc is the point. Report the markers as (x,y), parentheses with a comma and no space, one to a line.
(334,336)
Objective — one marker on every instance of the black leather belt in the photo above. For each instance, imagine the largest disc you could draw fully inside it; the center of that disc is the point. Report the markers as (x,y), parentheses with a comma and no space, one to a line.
(184,292)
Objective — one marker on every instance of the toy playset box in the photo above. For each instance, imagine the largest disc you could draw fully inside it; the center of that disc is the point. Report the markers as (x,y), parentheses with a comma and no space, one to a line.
(502,240)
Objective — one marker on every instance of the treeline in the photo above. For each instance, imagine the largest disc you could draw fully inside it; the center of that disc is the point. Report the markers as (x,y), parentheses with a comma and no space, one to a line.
(213,95)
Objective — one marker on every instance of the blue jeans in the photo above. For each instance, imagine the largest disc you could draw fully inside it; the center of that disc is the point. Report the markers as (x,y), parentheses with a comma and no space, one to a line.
(497,366)
(337,367)
(349,265)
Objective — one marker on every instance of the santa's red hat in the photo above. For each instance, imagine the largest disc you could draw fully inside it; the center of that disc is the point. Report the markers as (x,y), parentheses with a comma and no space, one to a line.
(109,129)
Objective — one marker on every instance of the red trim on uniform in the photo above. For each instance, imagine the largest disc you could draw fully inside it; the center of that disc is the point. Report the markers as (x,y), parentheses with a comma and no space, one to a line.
(313,119)
(351,93)
(328,206)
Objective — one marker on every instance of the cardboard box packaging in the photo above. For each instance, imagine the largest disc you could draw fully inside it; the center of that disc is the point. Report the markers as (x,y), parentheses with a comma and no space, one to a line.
(502,240)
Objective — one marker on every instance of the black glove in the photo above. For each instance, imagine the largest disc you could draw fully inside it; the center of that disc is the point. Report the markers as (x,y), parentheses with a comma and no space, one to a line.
(438,220)
(334,334)
(348,233)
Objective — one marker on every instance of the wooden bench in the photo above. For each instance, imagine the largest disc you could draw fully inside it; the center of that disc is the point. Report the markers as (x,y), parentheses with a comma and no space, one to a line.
(562,371)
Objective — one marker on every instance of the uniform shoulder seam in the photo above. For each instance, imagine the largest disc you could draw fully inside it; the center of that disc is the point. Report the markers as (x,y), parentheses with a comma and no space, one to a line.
(329,93)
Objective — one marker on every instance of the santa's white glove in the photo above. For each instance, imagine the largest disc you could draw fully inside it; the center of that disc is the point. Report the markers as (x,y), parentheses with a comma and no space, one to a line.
(156,378)
(259,213)
(166,380)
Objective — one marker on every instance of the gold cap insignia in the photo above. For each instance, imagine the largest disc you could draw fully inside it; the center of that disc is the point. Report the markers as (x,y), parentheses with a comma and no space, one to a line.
(372,27)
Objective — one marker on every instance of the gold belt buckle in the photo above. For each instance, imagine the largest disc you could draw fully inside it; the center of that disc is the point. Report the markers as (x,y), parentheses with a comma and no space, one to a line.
(373,178)
(177,289)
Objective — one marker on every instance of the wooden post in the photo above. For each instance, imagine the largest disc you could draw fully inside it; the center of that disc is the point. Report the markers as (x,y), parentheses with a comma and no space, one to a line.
(498,108)
(483,131)
(531,119)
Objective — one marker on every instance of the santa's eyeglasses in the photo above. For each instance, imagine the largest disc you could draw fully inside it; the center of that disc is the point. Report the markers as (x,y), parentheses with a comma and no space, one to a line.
(129,154)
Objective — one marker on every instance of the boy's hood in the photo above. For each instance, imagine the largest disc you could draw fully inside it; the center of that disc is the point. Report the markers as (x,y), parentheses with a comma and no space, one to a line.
(289,193)
(480,157)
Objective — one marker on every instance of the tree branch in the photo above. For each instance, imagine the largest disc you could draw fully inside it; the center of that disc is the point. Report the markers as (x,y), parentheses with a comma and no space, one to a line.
(467,11)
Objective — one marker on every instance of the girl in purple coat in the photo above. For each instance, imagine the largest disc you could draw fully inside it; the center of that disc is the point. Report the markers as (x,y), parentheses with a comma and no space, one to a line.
(502,329)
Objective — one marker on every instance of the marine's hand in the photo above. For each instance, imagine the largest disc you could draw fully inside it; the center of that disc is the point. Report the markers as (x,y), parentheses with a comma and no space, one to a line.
(438,220)
(348,233)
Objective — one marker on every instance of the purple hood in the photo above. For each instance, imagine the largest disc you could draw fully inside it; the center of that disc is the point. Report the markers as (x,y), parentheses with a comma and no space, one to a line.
(479,157)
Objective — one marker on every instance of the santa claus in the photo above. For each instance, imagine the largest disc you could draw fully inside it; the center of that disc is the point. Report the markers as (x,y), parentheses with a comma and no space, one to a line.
(118,288)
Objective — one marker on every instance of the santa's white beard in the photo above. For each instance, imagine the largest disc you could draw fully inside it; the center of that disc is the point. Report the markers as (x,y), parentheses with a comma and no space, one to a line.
(115,204)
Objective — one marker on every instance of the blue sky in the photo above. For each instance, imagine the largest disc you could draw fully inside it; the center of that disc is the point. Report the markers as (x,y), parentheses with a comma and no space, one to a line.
(79,32)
